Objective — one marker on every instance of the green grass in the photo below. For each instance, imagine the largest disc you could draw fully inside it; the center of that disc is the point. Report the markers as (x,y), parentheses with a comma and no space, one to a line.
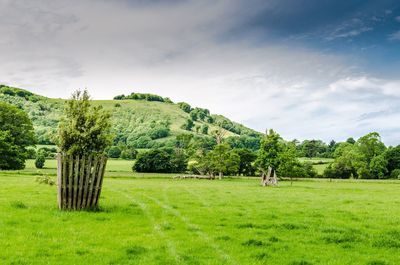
(234,221)
(319,163)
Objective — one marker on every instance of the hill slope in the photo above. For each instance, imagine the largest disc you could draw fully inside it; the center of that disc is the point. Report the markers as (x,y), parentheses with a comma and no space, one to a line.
(138,123)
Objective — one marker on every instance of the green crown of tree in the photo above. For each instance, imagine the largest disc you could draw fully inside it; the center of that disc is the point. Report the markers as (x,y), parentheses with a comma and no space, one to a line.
(84,129)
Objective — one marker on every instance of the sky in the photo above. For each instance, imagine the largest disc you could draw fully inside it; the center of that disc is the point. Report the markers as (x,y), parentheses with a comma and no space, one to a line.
(309,69)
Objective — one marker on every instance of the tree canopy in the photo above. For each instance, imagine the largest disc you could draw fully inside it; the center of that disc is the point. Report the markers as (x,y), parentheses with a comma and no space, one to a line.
(84,129)
(16,134)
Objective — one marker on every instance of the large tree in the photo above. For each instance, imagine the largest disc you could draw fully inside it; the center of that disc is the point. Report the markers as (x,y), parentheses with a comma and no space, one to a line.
(393,158)
(16,134)
(268,155)
(371,145)
(224,160)
(247,157)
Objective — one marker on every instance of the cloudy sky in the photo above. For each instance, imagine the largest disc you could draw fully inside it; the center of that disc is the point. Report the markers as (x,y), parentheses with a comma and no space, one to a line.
(324,69)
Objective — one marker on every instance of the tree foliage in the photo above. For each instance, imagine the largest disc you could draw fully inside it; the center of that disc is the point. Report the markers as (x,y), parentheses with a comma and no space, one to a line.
(40,160)
(84,129)
(365,158)
(16,134)
(160,161)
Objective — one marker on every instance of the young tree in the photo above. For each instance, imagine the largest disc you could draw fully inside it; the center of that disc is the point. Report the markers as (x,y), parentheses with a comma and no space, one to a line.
(288,165)
(84,129)
(16,134)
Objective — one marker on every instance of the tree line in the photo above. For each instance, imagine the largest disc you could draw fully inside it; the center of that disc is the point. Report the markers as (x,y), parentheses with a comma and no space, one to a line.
(214,153)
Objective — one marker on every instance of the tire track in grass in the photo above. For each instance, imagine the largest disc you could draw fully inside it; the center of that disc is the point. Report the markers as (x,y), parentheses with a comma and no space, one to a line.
(156,227)
(199,198)
(226,257)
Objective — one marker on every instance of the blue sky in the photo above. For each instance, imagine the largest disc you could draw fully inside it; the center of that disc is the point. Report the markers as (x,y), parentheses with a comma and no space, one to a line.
(309,69)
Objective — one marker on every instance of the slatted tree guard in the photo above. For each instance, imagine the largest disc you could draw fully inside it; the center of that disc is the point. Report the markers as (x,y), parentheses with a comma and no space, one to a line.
(80,179)
(270,178)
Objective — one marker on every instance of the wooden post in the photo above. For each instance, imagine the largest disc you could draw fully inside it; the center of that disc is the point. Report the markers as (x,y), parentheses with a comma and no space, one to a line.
(70,180)
(59,183)
(76,179)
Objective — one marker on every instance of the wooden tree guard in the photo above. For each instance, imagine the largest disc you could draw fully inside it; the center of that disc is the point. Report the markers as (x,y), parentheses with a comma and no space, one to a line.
(270,178)
(79,180)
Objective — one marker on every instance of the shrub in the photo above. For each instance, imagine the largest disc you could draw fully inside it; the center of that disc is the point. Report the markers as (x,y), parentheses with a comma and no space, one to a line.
(129,154)
(31,153)
(114,152)
(188,125)
(45,180)
(395,174)
(185,107)
(160,161)
(84,129)
(40,160)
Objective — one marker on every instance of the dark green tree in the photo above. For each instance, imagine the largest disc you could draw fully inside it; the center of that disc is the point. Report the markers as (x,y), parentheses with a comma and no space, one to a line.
(392,156)
(188,125)
(224,160)
(16,134)
(185,107)
(40,160)
(204,129)
(247,158)
(114,152)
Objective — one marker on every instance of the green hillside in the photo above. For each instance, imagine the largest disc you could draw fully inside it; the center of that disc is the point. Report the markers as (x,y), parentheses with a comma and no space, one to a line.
(139,120)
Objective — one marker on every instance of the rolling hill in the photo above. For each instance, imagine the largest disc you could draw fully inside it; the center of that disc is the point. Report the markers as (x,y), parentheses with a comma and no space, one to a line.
(139,120)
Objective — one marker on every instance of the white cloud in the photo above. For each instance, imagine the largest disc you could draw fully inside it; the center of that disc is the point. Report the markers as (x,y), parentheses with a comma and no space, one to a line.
(181,51)
(395,36)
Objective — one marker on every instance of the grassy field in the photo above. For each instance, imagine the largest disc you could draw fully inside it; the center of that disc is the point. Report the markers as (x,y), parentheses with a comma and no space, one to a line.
(319,163)
(152,219)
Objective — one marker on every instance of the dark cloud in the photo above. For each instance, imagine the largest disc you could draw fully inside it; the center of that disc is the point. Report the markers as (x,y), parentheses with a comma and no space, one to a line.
(309,69)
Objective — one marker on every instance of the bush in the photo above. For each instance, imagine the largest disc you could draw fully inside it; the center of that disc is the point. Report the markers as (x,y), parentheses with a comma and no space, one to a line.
(40,160)
(395,174)
(48,152)
(114,152)
(45,180)
(160,161)
(84,129)
(185,107)
(31,153)
(188,125)
(129,154)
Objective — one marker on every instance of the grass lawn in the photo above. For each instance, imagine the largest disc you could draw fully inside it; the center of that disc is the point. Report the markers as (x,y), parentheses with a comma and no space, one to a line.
(234,221)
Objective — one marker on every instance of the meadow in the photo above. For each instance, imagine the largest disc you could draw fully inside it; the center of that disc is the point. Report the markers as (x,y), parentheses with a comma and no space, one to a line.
(153,219)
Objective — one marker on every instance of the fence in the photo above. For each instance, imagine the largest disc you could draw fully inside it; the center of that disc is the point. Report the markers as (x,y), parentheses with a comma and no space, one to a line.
(79,181)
